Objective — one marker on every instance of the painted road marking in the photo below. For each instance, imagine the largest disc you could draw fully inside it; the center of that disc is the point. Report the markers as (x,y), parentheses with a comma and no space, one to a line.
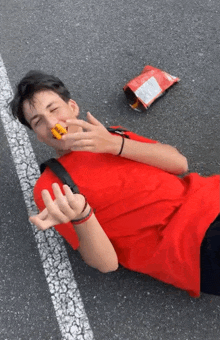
(68,305)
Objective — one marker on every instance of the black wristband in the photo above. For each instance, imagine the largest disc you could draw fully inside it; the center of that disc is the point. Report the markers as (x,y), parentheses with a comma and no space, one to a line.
(122,145)
(83,219)
(85,205)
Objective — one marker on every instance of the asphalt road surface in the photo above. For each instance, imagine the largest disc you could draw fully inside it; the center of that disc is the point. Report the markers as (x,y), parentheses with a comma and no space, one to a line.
(96,47)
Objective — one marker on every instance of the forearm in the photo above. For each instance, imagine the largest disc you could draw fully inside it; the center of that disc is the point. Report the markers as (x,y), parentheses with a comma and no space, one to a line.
(159,155)
(95,247)
(96,138)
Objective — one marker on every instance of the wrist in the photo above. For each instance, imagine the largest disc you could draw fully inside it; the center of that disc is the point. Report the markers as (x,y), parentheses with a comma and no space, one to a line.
(116,145)
(84,213)
(86,216)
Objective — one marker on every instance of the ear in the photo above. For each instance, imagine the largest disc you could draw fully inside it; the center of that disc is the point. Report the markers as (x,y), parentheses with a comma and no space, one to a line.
(73,105)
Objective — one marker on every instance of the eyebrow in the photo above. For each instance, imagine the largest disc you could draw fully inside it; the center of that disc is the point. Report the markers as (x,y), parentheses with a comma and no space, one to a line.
(47,107)
(50,104)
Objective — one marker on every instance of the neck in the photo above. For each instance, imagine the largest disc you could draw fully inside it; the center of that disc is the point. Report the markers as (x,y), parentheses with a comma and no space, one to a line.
(61,153)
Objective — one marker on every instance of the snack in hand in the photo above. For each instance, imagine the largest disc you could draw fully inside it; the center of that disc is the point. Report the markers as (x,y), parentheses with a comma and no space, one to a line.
(58,131)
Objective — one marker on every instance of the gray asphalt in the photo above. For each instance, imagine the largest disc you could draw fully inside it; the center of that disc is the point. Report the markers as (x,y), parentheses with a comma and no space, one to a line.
(95,48)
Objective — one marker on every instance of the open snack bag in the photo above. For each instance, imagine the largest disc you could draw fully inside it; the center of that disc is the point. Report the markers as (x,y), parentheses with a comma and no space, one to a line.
(143,90)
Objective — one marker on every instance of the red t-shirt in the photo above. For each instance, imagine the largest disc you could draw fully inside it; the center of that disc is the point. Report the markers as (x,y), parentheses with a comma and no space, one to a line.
(155,220)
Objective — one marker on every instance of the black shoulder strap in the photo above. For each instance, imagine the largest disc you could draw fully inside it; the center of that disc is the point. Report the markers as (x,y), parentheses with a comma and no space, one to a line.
(60,172)
(119,130)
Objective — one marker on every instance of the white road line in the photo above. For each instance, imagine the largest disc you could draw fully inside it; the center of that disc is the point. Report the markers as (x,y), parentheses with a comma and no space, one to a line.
(68,305)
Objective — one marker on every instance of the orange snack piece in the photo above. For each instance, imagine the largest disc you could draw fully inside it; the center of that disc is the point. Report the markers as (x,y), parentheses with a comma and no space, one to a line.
(58,131)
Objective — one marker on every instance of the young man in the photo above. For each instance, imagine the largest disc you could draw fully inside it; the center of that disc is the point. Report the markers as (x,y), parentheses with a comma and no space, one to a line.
(146,217)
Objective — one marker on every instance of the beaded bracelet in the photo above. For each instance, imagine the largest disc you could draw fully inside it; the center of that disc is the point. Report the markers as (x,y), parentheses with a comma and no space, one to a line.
(84,219)
(122,145)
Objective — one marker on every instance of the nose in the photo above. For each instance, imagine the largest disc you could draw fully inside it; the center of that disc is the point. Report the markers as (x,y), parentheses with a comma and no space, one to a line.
(51,121)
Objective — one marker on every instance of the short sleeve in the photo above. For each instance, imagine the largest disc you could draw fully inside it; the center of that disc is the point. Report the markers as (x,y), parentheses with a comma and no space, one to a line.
(67,231)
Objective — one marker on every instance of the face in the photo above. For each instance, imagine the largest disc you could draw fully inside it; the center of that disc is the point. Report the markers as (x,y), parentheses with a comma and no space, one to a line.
(47,110)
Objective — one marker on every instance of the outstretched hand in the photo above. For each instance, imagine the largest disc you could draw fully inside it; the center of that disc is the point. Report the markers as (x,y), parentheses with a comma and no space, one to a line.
(61,210)
(94,137)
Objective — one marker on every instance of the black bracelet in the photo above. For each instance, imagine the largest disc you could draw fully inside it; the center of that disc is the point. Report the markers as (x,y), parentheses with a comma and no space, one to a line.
(122,145)
(83,219)
(85,205)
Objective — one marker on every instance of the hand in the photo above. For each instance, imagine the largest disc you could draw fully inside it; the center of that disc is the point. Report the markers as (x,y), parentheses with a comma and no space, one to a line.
(61,210)
(95,137)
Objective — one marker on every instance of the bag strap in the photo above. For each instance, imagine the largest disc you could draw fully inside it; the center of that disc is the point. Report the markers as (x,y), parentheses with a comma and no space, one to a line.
(60,172)
(119,131)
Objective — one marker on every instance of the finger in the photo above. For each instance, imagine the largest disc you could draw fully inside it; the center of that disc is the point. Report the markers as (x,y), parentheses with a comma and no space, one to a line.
(93,120)
(84,148)
(82,144)
(41,225)
(39,217)
(62,202)
(52,208)
(77,136)
(57,191)
(43,214)
(70,196)
(79,122)
(46,198)
(76,201)
(60,198)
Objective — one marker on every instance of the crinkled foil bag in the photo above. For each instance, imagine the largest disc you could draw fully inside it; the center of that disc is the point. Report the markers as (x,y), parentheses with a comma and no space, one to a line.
(144,89)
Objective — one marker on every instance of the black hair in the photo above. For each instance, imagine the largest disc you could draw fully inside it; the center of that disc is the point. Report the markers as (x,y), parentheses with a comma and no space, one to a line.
(30,84)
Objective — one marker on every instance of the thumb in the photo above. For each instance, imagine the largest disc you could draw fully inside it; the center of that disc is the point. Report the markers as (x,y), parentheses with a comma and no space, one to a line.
(33,219)
(91,119)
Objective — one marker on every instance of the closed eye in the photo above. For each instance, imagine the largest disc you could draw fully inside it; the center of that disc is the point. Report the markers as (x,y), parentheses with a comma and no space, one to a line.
(36,122)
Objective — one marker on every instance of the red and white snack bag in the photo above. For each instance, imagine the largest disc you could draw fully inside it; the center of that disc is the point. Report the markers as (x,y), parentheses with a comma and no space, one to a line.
(143,90)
